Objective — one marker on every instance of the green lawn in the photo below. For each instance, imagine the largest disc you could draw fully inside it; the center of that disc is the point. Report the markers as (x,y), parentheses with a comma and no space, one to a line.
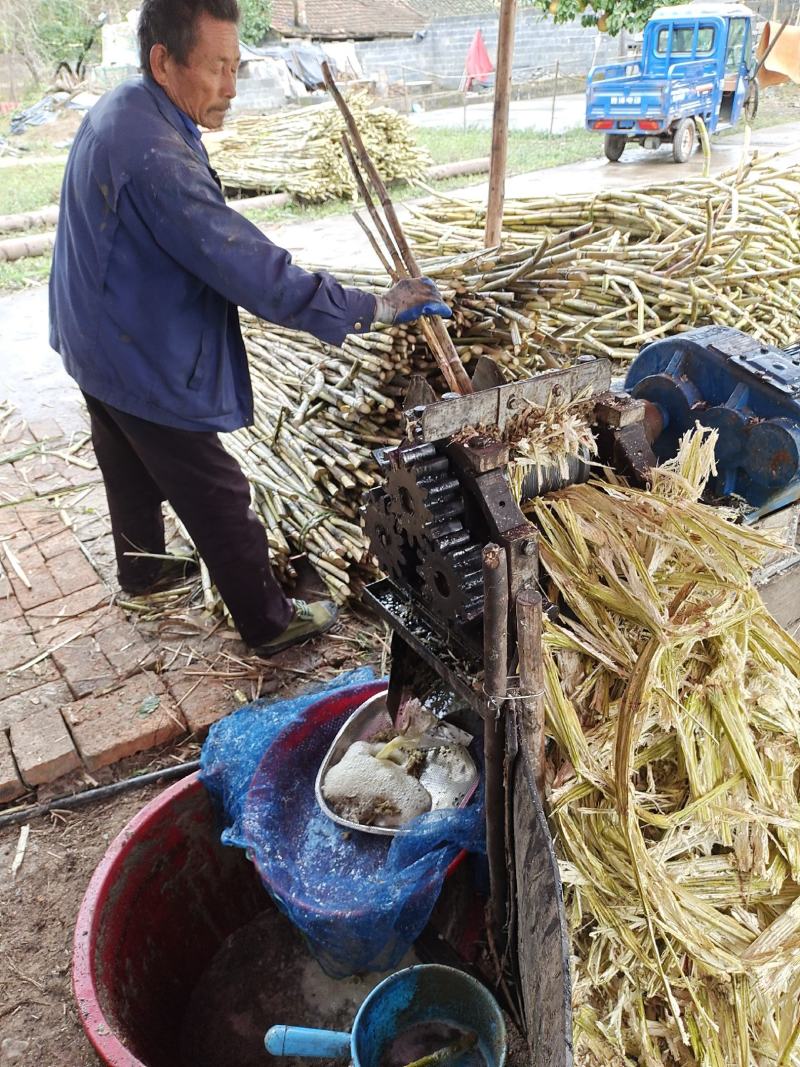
(527,149)
(27,187)
(24,272)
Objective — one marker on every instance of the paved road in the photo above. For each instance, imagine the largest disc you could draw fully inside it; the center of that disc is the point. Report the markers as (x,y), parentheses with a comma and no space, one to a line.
(337,241)
(523,114)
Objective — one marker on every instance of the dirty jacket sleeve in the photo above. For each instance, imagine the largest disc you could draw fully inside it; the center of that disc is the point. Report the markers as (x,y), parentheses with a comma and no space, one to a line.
(184,209)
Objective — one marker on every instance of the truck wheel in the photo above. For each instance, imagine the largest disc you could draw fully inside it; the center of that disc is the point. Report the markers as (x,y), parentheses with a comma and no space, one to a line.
(614,146)
(751,102)
(683,140)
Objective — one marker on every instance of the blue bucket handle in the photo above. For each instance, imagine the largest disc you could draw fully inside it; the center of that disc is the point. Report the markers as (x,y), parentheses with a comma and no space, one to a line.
(303,1041)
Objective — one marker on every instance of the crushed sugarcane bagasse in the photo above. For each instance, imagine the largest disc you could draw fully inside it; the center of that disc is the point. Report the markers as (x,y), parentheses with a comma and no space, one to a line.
(673,700)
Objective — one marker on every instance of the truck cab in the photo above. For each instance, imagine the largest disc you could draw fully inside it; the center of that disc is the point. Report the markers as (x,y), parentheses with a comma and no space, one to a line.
(696,62)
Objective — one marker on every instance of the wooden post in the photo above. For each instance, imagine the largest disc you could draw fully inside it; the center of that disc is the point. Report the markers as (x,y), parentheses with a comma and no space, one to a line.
(495,685)
(502,93)
(22,247)
(531,679)
(555,94)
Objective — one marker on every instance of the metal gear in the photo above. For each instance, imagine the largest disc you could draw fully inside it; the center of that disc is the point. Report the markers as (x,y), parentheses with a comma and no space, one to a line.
(424,495)
(452,579)
(387,540)
(427,501)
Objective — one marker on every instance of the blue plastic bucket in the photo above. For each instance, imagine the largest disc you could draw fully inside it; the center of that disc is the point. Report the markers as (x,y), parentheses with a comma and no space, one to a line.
(428,993)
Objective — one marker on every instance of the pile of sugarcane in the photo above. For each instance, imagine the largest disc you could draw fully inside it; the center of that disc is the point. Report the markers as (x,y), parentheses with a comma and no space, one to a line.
(599,275)
(320,411)
(300,151)
(526,308)
(673,700)
(656,260)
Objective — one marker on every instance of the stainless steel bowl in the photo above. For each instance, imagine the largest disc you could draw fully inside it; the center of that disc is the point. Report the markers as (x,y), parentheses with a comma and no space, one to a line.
(369,719)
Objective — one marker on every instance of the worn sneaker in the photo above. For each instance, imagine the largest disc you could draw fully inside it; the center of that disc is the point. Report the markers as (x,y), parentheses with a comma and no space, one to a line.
(309,620)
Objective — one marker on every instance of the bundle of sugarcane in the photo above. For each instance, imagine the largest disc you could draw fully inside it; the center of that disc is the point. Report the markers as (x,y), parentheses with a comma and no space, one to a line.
(673,700)
(320,411)
(300,152)
(653,261)
(525,308)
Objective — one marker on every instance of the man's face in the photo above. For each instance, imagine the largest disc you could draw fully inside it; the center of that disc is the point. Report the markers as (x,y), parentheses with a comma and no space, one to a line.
(204,86)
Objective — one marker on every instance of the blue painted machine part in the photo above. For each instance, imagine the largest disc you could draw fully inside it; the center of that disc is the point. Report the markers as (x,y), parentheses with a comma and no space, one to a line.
(425,993)
(749,392)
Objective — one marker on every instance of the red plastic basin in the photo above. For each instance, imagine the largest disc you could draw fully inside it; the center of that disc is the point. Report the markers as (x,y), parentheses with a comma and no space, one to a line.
(162,901)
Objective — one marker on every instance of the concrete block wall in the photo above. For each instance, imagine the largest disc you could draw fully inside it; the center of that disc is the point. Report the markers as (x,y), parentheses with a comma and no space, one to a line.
(439,56)
(775,10)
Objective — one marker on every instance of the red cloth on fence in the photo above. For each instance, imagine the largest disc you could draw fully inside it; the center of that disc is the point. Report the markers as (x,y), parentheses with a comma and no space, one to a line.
(478,66)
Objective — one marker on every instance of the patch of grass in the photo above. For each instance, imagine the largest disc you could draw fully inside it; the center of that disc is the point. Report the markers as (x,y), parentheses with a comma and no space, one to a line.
(23,273)
(527,149)
(29,187)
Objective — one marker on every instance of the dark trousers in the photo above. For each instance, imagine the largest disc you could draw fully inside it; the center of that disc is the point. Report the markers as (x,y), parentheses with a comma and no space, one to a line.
(144,464)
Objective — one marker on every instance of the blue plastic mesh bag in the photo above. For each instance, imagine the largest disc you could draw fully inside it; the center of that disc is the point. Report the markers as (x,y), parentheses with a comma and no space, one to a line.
(361,900)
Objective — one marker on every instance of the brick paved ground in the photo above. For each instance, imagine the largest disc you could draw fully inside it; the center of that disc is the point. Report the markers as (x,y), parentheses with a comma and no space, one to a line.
(83,682)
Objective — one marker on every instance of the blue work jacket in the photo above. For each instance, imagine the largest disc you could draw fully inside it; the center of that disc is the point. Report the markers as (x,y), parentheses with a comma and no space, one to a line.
(150,265)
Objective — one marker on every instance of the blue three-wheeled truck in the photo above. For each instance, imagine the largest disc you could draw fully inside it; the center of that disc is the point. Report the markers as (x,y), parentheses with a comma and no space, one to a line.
(696,61)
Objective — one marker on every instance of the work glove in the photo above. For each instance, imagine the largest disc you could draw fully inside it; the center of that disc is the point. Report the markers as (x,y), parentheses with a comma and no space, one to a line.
(408,300)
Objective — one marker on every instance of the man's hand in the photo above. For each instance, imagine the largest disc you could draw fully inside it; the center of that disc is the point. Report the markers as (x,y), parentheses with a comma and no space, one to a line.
(408,300)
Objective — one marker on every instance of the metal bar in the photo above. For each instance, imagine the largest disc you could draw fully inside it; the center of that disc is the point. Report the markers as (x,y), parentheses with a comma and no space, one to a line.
(495,649)
(553,107)
(491,407)
(531,679)
(103,792)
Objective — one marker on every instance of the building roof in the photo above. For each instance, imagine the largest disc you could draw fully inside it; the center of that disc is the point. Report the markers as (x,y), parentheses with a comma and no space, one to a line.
(342,20)
(445,9)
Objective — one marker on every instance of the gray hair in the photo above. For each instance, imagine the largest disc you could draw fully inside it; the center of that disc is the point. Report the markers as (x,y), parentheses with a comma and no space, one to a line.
(173,23)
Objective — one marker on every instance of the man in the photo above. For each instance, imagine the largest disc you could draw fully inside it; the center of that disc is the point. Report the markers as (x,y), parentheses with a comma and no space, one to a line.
(148,269)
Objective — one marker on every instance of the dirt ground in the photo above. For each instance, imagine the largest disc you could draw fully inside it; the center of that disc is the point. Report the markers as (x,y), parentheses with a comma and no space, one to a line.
(39,1023)
(38,1019)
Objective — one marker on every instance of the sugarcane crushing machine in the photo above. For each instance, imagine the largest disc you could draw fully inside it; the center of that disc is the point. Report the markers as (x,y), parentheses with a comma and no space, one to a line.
(445,500)
(444,504)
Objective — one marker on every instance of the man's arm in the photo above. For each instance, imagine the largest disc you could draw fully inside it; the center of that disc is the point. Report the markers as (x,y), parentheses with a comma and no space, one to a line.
(184,210)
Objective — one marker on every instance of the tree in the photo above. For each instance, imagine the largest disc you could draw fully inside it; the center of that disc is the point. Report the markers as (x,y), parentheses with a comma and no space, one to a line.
(256,20)
(45,33)
(610,16)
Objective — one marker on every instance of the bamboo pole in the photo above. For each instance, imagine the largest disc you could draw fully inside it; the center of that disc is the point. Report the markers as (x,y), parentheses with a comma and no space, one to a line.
(502,92)
(22,247)
(495,657)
